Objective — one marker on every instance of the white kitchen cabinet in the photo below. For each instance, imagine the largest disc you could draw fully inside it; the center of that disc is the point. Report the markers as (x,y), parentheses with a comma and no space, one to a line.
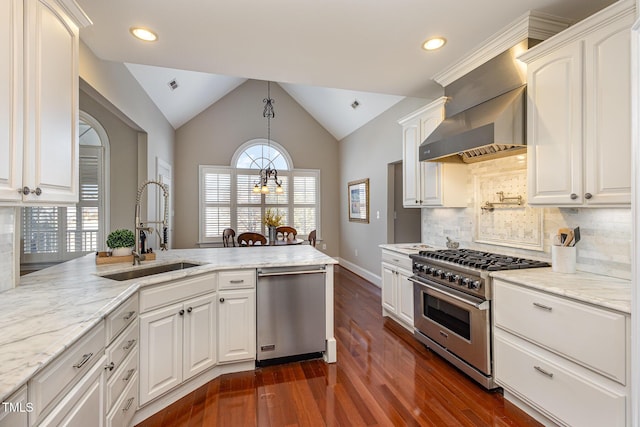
(39,123)
(429,184)
(565,359)
(176,342)
(237,325)
(15,409)
(397,289)
(579,113)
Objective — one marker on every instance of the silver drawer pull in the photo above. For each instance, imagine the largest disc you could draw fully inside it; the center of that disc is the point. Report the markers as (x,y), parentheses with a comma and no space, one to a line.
(129,403)
(129,315)
(396,260)
(236,281)
(130,344)
(85,359)
(129,374)
(542,306)
(444,334)
(543,372)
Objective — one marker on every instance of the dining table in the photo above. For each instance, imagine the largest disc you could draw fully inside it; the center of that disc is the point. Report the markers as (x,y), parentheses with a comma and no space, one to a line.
(283,242)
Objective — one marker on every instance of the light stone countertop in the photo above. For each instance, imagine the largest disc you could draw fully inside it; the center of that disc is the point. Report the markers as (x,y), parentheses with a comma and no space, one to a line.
(52,308)
(603,291)
(406,248)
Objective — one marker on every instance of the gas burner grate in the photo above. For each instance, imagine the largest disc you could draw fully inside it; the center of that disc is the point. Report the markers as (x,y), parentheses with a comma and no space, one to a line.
(482,260)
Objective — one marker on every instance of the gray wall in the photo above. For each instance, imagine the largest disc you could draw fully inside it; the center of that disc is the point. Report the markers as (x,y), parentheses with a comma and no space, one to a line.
(212,137)
(123,161)
(366,153)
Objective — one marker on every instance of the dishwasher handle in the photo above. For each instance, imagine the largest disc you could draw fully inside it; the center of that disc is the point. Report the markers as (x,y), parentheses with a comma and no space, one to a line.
(267,273)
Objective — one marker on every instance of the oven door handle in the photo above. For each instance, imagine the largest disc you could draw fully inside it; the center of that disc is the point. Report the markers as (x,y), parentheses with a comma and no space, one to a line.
(467,300)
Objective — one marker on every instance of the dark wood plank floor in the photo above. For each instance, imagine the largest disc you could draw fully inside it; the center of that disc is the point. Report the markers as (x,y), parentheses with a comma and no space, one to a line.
(383,377)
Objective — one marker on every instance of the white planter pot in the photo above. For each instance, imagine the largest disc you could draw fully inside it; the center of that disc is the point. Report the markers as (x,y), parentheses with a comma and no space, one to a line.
(121,251)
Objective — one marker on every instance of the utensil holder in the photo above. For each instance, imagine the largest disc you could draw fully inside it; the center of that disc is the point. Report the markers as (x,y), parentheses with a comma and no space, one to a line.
(563,259)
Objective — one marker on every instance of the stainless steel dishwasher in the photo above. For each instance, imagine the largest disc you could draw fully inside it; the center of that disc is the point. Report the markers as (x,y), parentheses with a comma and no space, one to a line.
(290,313)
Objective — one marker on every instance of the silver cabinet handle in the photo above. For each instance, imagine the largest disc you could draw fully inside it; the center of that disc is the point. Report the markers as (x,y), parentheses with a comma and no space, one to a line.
(235,282)
(543,372)
(181,312)
(221,299)
(542,306)
(110,366)
(588,196)
(129,315)
(129,403)
(85,359)
(26,191)
(444,334)
(129,374)
(130,344)
(573,196)
(189,310)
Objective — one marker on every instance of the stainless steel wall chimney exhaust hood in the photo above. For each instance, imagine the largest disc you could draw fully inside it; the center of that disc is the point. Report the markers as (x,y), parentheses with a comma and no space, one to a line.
(485,113)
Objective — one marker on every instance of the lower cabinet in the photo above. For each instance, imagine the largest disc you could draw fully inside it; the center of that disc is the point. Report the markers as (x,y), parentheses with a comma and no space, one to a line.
(564,359)
(15,410)
(237,317)
(397,289)
(176,342)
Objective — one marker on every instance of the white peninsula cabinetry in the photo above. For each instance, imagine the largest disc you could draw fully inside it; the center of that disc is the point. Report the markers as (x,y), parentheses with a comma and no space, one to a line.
(397,289)
(39,44)
(237,315)
(566,359)
(429,184)
(579,113)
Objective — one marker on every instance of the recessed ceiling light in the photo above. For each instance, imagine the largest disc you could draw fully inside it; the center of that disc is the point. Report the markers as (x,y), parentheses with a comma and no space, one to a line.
(143,34)
(434,43)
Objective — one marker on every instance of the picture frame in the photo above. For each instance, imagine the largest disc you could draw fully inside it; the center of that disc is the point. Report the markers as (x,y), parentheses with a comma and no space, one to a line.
(358,194)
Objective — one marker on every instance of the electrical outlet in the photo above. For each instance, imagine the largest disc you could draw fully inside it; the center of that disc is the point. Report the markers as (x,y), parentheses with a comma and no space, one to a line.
(324,246)
(356,252)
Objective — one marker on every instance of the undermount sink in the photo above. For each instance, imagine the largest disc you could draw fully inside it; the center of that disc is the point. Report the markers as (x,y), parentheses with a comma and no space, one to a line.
(149,271)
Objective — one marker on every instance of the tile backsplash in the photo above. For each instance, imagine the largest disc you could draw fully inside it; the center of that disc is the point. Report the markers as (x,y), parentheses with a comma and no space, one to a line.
(605,246)
(7,250)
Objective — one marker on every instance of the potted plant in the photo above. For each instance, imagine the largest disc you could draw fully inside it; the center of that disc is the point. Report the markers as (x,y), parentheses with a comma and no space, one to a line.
(272,219)
(121,242)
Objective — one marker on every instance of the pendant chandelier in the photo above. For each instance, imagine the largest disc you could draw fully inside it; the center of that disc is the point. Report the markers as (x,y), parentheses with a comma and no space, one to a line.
(261,185)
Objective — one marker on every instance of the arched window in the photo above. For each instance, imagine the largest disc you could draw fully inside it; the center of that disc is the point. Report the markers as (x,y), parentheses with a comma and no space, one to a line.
(227,198)
(54,234)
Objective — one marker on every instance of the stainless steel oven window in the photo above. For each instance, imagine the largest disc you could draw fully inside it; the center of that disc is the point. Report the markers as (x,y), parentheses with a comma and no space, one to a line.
(454,318)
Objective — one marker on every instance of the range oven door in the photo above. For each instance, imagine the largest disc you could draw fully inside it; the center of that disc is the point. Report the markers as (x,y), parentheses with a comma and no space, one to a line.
(458,322)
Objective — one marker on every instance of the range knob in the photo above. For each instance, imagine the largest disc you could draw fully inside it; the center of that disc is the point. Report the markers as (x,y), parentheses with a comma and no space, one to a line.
(465,282)
(455,278)
(474,284)
(447,276)
(438,273)
(431,270)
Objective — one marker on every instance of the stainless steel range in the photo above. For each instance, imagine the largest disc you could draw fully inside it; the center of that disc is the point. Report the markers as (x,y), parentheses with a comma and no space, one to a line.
(452,305)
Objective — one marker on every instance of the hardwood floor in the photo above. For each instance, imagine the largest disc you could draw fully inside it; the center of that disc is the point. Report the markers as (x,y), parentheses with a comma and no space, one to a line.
(383,377)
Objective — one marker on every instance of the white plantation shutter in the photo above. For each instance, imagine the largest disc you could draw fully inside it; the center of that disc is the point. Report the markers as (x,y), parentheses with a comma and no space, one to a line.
(215,190)
(40,230)
(305,201)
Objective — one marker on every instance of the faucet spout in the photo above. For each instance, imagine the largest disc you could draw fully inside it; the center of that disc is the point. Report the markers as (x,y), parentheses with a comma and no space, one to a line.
(140,225)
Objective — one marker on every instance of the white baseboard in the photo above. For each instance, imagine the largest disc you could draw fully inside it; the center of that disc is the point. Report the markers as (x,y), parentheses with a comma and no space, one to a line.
(373,278)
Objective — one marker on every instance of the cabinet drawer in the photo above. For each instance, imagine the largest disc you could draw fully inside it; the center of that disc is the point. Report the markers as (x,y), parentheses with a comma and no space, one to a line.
(125,344)
(556,386)
(122,412)
(121,318)
(237,279)
(173,292)
(121,378)
(593,337)
(397,259)
(15,416)
(58,376)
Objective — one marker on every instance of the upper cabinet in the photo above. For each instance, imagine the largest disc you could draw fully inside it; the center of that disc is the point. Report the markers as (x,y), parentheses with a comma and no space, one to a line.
(429,184)
(579,113)
(39,43)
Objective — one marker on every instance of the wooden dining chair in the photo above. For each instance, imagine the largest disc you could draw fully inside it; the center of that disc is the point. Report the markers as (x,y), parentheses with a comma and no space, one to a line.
(312,238)
(286,232)
(251,239)
(228,237)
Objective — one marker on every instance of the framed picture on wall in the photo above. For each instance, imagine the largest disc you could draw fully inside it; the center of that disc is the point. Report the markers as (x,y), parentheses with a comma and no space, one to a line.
(358,192)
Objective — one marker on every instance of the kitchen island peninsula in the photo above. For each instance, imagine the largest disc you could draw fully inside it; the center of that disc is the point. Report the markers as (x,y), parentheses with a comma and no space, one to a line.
(69,333)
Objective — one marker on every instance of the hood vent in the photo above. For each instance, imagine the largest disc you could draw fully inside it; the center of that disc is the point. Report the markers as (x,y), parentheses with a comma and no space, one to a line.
(485,113)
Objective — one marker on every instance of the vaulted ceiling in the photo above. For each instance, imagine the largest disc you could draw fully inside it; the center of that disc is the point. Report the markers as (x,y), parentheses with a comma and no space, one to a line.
(325,54)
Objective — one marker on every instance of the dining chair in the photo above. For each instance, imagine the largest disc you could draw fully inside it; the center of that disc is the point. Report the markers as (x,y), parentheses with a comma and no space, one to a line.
(228,237)
(312,238)
(287,232)
(251,239)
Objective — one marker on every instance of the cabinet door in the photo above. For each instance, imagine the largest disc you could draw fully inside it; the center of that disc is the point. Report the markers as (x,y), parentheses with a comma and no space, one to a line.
(431,183)
(14,412)
(554,127)
(160,351)
(410,164)
(199,334)
(11,79)
(389,288)
(237,325)
(51,96)
(405,297)
(608,114)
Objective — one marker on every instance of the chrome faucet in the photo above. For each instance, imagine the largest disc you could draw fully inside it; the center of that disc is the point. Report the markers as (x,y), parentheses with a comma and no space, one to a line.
(143,227)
